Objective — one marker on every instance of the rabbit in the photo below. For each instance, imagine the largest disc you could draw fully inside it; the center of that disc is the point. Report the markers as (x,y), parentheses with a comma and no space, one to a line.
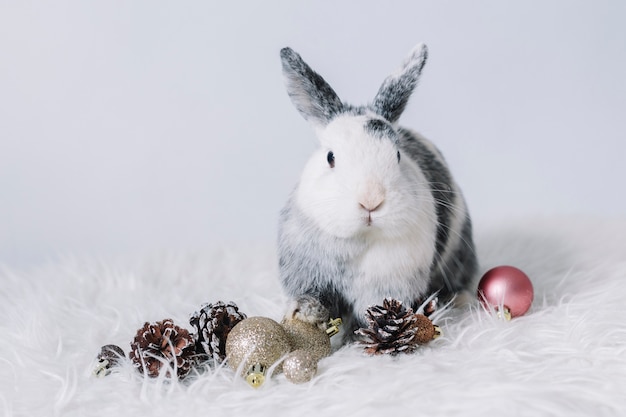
(376,212)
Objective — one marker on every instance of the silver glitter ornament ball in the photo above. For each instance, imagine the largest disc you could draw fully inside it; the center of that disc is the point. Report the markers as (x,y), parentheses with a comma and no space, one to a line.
(307,336)
(256,340)
(300,366)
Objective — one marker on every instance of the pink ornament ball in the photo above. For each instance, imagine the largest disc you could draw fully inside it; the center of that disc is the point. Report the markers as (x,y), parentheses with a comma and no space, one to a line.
(506,286)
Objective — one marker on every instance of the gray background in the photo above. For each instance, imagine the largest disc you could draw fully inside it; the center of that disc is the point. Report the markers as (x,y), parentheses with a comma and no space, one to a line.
(134,127)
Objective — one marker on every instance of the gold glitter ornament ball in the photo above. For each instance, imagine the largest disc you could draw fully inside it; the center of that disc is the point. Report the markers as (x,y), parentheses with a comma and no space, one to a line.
(308,337)
(257,341)
(300,366)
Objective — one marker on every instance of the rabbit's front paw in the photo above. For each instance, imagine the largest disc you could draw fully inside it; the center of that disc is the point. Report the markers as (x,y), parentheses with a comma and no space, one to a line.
(308,309)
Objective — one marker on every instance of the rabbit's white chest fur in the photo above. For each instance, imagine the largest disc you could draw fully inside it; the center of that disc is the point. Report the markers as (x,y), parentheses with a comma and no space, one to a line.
(394,267)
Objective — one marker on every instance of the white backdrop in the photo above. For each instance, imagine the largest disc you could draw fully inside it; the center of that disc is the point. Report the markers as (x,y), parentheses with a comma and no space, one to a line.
(133,127)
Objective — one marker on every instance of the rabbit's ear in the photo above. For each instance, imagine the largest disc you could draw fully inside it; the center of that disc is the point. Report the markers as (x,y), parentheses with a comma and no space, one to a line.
(312,96)
(393,95)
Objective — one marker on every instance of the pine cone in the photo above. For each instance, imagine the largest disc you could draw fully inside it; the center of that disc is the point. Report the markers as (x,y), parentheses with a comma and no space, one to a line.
(212,324)
(162,344)
(393,328)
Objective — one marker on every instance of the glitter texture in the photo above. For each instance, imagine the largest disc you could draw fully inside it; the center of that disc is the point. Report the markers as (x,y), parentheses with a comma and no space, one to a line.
(256,340)
(306,336)
(300,366)
(425,329)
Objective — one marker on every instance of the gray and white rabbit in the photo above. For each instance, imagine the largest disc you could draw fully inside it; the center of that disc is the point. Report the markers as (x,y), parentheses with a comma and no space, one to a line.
(376,212)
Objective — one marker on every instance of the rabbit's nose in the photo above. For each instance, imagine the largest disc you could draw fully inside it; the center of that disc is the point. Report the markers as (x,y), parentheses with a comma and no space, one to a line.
(373,196)
(371,207)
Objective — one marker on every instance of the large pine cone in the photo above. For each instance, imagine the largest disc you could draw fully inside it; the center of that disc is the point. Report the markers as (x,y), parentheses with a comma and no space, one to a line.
(162,344)
(212,325)
(393,328)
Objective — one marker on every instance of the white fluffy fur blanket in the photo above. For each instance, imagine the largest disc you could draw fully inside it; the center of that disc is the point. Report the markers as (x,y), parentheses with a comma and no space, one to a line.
(567,356)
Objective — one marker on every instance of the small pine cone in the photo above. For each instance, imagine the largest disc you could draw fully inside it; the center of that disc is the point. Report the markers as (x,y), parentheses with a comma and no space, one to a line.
(162,344)
(212,325)
(393,328)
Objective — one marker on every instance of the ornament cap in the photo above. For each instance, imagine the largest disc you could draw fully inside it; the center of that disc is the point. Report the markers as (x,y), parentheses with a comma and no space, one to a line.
(438,332)
(256,375)
(505,313)
(102,368)
(333,326)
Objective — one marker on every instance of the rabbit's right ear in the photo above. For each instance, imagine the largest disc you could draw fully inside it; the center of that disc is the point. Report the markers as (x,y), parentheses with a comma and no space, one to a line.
(309,92)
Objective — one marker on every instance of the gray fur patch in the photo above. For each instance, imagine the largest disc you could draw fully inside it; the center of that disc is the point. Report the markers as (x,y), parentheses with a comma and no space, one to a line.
(440,182)
(395,91)
(454,273)
(310,93)
(381,129)
(307,267)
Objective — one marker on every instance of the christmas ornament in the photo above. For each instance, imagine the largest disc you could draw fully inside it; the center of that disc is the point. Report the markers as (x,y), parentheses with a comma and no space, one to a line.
(300,366)
(254,345)
(393,328)
(257,343)
(109,357)
(162,344)
(212,324)
(506,289)
(307,337)
(251,345)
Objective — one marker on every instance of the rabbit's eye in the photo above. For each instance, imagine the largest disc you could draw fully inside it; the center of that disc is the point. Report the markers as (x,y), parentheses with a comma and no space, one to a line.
(398,156)
(331,159)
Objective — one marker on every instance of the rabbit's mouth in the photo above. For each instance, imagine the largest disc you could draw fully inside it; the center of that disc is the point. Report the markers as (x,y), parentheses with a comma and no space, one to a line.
(368,210)
(369,220)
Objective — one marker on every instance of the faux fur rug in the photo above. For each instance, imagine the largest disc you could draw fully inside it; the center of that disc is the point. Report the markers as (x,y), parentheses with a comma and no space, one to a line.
(566,356)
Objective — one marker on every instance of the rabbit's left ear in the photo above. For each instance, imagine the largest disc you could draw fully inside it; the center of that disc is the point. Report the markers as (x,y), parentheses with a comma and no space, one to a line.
(393,95)
(309,92)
